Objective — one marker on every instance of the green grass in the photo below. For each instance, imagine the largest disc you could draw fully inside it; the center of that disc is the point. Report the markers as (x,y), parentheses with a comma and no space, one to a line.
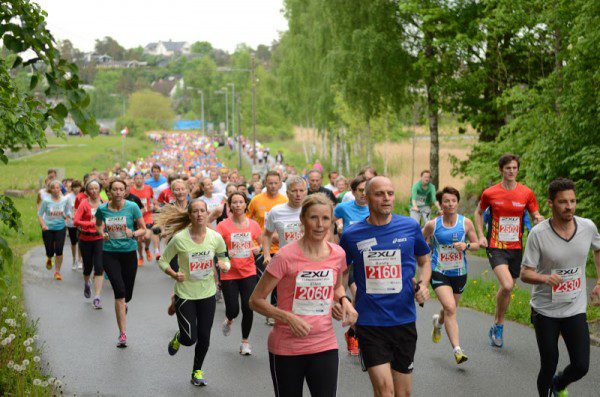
(76,157)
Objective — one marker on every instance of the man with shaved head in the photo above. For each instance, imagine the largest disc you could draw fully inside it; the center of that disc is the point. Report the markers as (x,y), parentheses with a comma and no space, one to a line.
(385,250)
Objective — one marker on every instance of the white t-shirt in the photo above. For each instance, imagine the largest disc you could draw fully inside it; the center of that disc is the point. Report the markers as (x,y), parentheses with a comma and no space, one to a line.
(213,202)
(219,186)
(284,220)
(348,197)
(71,201)
(329,187)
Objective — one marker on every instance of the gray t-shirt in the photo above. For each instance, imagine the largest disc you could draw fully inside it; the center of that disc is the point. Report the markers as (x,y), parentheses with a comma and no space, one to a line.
(548,253)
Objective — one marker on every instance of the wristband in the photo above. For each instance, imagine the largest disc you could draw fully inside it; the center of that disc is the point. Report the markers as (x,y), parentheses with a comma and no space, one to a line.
(345,296)
(468,246)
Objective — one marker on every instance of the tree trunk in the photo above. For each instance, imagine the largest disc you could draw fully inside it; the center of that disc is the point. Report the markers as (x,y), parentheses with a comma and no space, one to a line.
(432,114)
(368,146)
(332,147)
(345,148)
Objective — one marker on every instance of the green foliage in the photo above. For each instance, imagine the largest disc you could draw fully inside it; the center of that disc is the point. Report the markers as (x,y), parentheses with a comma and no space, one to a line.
(138,126)
(110,47)
(151,106)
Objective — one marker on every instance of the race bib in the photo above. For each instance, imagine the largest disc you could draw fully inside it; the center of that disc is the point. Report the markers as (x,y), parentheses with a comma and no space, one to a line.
(201,264)
(115,227)
(420,201)
(450,258)
(383,271)
(57,211)
(570,287)
(292,231)
(313,292)
(509,229)
(241,245)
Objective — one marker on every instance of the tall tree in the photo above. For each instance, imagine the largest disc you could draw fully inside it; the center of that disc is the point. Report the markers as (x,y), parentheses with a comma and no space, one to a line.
(111,47)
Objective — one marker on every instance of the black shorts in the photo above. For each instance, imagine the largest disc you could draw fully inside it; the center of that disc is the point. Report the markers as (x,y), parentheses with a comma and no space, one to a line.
(456,282)
(73,235)
(395,345)
(512,258)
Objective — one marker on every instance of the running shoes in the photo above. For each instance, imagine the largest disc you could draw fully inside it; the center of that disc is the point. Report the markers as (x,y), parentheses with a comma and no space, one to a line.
(245,349)
(460,356)
(198,378)
(122,341)
(87,290)
(57,276)
(48,263)
(226,327)
(352,343)
(495,335)
(174,345)
(97,304)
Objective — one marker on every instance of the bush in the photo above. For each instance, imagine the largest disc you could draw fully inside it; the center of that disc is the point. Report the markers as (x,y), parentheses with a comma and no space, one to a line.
(272,133)
(138,126)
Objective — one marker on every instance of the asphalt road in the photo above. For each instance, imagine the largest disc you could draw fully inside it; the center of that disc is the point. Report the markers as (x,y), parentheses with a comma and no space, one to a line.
(79,343)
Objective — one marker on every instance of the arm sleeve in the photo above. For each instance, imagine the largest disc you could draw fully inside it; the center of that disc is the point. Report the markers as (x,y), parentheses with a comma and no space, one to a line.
(221,248)
(421,247)
(137,213)
(484,201)
(432,193)
(337,212)
(531,255)
(277,267)
(42,208)
(77,221)
(269,224)
(99,215)
(413,192)
(532,204)
(168,254)
(595,236)
(255,230)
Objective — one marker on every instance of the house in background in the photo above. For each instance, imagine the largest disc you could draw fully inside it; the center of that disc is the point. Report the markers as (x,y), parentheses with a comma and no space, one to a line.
(168,86)
(168,48)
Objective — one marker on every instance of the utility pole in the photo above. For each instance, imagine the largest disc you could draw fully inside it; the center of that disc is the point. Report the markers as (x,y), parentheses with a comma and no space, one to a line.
(202,105)
(253,109)
(232,109)
(226,109)
(239,134)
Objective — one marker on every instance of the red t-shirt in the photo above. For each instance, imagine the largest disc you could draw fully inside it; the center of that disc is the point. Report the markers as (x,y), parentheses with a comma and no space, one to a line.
(507,210)
(79,198)
(305,288)
(239,244)
(85,220)
(166,197)
(145,195)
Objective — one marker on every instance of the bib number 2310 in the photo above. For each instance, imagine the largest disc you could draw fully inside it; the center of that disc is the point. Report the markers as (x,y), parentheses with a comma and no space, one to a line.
(383,271)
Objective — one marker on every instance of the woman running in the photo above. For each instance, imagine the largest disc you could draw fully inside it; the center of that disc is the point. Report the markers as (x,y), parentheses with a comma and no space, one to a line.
(242,237)
(308,276)
(449,264)
(195,246)
(116,221)
(53,212)
(90,242)
(74,188)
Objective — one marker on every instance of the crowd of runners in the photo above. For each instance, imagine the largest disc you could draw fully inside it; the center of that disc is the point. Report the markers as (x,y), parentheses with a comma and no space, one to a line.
(301,253)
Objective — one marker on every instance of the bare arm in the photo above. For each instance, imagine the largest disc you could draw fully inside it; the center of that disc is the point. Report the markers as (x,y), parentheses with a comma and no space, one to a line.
(424,272)
(530,276)
(267,238)
(258,302)
(478,218)
(595,296)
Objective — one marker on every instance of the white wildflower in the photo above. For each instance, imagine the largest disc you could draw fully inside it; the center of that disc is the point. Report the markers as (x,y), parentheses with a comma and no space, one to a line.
(12,336)
(36,359)
(57,383)
(18,368)
(5,341)
(37,382)
(35,337)
(10,364)
(44,384)
(4,309)
(26,362)
(3,330)
(24,314)
(29,349)
(26,343)
(13,298)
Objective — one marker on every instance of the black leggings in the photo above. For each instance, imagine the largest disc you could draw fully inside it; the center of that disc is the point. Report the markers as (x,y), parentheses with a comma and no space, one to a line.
(73,235)
(121,268)
(243,288)
(91,254)
(260,269)
(195,319)
(575,333)
(54,241)
(320,371)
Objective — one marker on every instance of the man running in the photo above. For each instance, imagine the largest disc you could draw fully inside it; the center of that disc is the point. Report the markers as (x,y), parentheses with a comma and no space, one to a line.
(422,198)
(315,178)
(554,262)
(157,182)
(508,201)
(385,250)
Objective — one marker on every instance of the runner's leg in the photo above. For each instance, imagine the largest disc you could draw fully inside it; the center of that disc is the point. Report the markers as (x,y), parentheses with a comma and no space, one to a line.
(382,380)
(287,373)
(506,284)
(402,384)
(448,312)
(322,373)
(112,266)
(205,314)
(98,267)
(576,335)
(59,243)
(230,290)
(547,331)
(246,287)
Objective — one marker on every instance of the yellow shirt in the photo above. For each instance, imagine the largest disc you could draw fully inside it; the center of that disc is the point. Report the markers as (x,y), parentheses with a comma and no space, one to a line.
(258,208)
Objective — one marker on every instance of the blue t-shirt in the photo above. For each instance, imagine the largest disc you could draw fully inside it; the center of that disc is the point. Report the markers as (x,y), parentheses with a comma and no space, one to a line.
(54,213)
(351,213)
(445,258)
(115,223)
(384,298)
(153,183)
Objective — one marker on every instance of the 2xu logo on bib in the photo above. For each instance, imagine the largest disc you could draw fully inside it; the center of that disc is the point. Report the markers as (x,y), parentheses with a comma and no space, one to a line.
(313,292)
(570,287)
(383,271)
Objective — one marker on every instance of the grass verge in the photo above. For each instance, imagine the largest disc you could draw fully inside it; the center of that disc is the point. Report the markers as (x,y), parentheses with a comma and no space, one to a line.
(22,371)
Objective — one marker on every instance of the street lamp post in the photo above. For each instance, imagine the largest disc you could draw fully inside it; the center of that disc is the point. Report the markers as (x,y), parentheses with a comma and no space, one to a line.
(202,105)
(253,110)
(233,99)
(224,90)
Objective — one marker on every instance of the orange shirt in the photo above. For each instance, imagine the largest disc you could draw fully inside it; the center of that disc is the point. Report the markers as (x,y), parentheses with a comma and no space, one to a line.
(145,195)
(258,208)
(507,208)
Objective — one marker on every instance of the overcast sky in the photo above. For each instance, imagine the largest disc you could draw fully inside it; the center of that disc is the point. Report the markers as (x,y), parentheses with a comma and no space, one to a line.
(223,23)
